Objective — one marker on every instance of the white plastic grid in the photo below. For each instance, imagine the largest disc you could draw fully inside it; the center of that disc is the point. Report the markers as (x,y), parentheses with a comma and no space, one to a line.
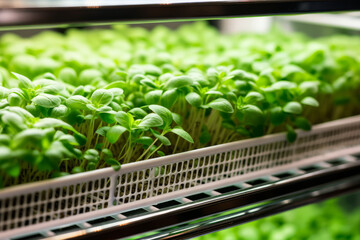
(32,207)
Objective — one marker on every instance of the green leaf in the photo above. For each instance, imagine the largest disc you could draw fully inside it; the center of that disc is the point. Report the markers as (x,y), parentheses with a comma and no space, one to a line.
(138,112)
(303,123)
(77,170)
(33,136)
(253,98)
(147,82)
(289,70)
(122,74)
(164,140)
(116,84)
(5,153)
(214,92)
(243,86)
(108,117)
(25,83)
(13,170)
(178,82)
(291,135)
(277,116)
(53,123)
(177,118)
(14,99)
(13,120)
(115,106)
(152,70)
(266,78)
(161,153)
(280,85)
(102,131)
(59,112)
(48,86)
(242,75)
(151,120)
(114,133)
(193,99)
(89,76)
(212,74)
(68,75)
(153,97)
(4,140)
(310,101)
(113,163)
(163,112)
(116,91)
(252,115)
(124,119)
(91,166)
(46,100)
(326,88)
(182,133)
(80,138)
(231,96)
(21,112)
(168,98)
(92,155)
(102,97)
(242,131)
(67,138)
(4,92)
(80,90)
(145,140)
(309,87)
(105,109)
(107,153)
(293,108)
(221,105)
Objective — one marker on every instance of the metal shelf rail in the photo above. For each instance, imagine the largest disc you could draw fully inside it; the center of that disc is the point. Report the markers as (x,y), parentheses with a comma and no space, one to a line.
(217,209)
(342,21)
(45,12)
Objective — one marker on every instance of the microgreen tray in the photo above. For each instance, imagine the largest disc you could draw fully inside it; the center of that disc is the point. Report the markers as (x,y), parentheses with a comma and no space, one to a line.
(42,205)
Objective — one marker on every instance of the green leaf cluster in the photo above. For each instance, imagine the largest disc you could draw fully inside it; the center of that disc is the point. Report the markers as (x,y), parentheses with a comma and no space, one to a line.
(88,99)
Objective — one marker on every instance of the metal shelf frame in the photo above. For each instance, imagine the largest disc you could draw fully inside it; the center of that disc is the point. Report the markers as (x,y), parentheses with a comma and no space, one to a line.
(217,209)
(40,12)
(276,206)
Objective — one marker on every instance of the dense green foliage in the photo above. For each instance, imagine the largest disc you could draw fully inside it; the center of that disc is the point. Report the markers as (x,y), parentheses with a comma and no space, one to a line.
(92,98)
(325,221)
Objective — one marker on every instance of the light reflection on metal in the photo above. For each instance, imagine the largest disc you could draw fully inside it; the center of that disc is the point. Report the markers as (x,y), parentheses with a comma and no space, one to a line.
(8,16)
(315,193)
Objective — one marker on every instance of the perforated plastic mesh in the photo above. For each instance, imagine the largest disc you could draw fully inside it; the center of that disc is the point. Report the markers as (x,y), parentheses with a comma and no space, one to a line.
(36,205)
(49,204)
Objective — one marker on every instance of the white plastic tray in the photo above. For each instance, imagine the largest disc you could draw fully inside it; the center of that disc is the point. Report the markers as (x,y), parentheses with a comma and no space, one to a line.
(42,205)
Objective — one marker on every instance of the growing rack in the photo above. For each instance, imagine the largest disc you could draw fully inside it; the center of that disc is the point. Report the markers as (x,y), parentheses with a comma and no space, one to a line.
(322,163)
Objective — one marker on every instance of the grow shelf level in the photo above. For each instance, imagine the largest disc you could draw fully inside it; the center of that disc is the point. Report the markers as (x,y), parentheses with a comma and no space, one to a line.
(45,12)
(223,207)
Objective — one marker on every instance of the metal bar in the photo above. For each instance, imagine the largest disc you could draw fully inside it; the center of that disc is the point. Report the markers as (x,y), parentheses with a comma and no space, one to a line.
(241,217)
(31,14)
(217,204)
(341,21)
